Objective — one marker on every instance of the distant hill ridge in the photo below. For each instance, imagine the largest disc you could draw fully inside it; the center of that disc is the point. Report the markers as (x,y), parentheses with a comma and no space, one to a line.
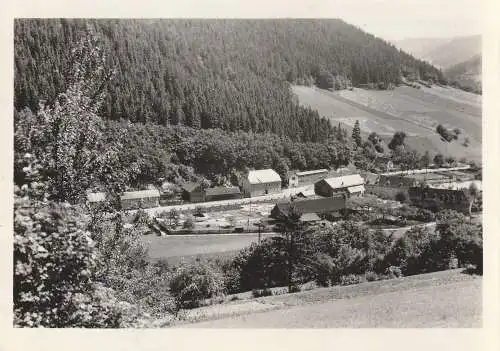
(460,58)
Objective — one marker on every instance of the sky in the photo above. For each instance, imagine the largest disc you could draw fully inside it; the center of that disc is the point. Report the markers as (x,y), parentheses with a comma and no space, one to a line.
(402,19)
(389,19)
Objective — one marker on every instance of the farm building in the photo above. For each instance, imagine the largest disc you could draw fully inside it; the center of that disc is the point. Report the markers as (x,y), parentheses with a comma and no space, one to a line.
(261,182)
(307,177)
(436,199)
(192,192)
(140,199)
(350,185)
(222,193)
(316,205)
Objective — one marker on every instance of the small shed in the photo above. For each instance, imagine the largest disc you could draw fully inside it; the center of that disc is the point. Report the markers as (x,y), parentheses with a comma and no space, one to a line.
(222,193)
(261,182)
(192,192)
(140,199)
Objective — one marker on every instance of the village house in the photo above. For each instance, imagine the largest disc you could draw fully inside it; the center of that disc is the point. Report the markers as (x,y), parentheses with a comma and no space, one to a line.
(192,192)
(261,182)
(140,199)
(317,205)
(436,199)
(307,177)
(350,185)
(222,193)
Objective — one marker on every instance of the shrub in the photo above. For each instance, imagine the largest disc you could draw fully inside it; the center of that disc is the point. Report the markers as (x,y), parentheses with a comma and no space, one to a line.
(324,269)
(351,279)
(261,292)
(371,276)
(199,211)
(401,197)
(393,272)
(55,263)
(193,283)
(261,266)
(188,223)
(406,251)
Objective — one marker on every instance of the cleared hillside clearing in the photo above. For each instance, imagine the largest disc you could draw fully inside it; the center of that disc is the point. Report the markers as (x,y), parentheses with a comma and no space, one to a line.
(417,112)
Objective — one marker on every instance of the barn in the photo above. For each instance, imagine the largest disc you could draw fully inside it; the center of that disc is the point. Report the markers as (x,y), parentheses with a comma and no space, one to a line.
(140,199)
(349,185)
(261,182)
(192,192)
(315,205)
(222,193)
(307,177)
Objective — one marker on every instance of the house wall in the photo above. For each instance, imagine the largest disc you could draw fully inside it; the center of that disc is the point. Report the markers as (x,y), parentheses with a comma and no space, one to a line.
(220,197)
(293,181)
(252,190)
(194,196)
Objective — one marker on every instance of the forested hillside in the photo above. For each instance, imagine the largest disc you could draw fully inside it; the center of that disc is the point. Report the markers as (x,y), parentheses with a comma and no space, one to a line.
(228,74)
(466,75)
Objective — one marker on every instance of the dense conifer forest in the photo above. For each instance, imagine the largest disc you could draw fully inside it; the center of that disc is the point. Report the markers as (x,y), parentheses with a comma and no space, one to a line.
(227,74)
(213,95)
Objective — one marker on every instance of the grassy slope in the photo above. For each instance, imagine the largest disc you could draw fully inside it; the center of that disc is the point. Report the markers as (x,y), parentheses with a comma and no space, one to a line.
(442,299)
(416,112)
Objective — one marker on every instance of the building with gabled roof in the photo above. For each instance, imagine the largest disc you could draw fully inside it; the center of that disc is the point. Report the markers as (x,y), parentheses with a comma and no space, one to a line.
(315,205)
(222,193)
(349,185)
(307,177)
(192,192)
(140,199)
(261,182)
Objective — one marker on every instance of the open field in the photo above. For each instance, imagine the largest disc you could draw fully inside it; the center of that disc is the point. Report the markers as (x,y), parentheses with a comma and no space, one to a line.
(441,299)
(187,247)
(417,112)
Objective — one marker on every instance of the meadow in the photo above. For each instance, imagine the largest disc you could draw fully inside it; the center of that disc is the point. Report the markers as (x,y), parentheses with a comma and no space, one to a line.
(417,112)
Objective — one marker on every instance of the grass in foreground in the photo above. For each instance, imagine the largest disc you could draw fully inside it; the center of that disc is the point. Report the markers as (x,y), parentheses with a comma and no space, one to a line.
(449,298)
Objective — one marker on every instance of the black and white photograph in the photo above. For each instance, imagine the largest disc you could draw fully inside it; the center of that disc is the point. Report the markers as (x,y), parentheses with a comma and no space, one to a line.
(250,173)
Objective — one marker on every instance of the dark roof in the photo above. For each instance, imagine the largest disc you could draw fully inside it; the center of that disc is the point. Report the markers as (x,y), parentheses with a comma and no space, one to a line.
(190,187)
(222,191)
(313,205)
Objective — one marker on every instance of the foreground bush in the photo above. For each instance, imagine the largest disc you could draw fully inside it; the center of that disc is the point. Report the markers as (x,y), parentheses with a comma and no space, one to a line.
(193,283)
(55,260)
